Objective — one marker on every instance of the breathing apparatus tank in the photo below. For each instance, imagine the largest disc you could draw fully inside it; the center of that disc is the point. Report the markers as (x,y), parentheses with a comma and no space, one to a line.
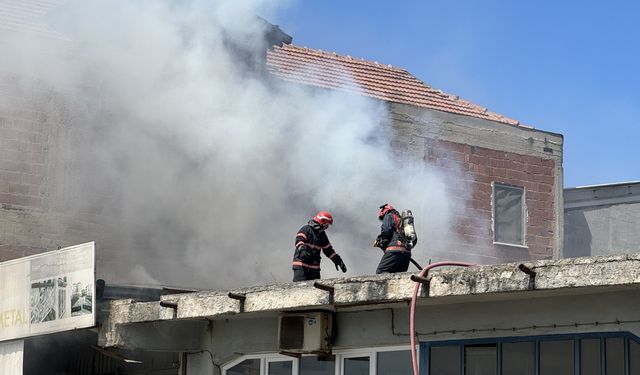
(408,229)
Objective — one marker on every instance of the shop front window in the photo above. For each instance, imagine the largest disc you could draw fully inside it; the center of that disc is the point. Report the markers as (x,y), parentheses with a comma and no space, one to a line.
(356,366)
(317,366)
(556,357)
(518,358)
(480,359)
(445,360)
(590,356)
(246,367)
(280,368)
(572,354)
(396,362)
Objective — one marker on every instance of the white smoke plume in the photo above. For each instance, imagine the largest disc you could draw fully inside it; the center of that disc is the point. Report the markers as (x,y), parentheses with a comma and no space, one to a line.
(199,172)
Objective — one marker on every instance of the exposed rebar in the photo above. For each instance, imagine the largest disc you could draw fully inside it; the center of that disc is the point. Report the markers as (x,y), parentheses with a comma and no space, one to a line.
(420,279)
(531,273)
(239,296)
(168,304)
(326,287)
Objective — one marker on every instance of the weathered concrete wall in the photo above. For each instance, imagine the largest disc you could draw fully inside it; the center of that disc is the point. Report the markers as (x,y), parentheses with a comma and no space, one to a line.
(529,315)
(559,277)
(475,153)
(602,219)
(568,296)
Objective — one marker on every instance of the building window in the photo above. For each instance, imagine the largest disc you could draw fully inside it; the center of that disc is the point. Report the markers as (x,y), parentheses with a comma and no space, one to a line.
(480,359)
(317,366)
(518,358)
(246,367)
(444,360)
(590,356)
(509,213)
(356,365)
(277,367)
(573,354)
(395,360)
(634,358)
(614,356)
(556,357)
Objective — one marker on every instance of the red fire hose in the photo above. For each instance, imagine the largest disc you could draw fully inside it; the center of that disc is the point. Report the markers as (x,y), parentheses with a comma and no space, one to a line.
(412,316)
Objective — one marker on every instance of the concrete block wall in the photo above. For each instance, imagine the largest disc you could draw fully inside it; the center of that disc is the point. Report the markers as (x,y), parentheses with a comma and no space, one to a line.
(23,149)
(25,132)
(36,190)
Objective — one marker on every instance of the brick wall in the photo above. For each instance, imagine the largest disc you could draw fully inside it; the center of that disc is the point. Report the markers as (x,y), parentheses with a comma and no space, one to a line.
(479,167)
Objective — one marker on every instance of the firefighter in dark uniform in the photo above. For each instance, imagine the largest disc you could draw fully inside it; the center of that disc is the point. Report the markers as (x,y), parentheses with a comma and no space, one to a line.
(310,240)
(397,252)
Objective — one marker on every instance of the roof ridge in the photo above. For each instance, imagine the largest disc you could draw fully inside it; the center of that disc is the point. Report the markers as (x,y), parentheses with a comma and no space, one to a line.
(332,54)
(386,82)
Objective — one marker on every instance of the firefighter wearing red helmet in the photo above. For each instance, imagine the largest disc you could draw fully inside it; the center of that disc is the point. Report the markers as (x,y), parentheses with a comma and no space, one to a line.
(310,240)
(397,254)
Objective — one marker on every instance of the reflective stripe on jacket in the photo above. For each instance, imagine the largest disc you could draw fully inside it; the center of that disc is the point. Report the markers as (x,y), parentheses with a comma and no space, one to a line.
(308,244)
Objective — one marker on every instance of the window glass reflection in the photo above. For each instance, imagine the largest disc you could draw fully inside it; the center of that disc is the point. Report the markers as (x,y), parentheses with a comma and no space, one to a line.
(556,357)
(280,368)
(634,358)
(590,357)
(317,366)
(518,358)
(444,360)
(394,363)
(246,367)
(614,355)
(480,359)
(356,366)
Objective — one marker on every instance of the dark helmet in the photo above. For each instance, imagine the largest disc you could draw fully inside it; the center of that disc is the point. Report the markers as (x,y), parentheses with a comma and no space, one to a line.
(383,210)
(323,218)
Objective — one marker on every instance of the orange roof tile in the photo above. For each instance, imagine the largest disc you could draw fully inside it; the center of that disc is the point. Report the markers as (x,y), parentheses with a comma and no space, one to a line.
(385,82)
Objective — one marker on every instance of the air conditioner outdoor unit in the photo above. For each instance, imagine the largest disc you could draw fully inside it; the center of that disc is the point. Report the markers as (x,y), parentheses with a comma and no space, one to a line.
(305,333)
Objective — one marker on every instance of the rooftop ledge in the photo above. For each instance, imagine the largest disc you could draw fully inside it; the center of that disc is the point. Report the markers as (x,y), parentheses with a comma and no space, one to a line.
(501,280)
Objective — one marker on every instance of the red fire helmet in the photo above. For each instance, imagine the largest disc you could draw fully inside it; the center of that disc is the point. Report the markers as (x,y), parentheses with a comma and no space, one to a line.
(323,218)
(384,209)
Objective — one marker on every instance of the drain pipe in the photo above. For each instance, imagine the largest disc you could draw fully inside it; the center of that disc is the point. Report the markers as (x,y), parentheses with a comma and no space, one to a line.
(412,324)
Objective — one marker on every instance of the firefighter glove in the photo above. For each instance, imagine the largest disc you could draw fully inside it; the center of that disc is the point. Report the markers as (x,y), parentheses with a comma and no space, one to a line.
(337,260)
(342,266)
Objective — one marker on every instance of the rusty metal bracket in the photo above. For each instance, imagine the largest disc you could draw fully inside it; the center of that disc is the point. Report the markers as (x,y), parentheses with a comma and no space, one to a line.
(239,297)
(171,305)
(425,281)
(532,275)
(327,288)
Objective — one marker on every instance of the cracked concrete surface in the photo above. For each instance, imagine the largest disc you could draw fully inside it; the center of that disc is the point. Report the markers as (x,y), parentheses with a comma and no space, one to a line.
(506,279)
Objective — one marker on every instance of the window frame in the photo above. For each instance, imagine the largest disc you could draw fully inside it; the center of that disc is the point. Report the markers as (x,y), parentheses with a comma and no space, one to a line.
(227,366)
(280,358)
(574,337)
(524,214)
(356,354)
(340,355)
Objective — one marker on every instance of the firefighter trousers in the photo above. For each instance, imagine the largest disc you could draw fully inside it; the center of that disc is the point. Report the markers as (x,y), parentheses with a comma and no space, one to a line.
(394,261)
(303,274)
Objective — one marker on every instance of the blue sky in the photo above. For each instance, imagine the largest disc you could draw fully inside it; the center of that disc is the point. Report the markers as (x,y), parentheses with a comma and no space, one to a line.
(569,67)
